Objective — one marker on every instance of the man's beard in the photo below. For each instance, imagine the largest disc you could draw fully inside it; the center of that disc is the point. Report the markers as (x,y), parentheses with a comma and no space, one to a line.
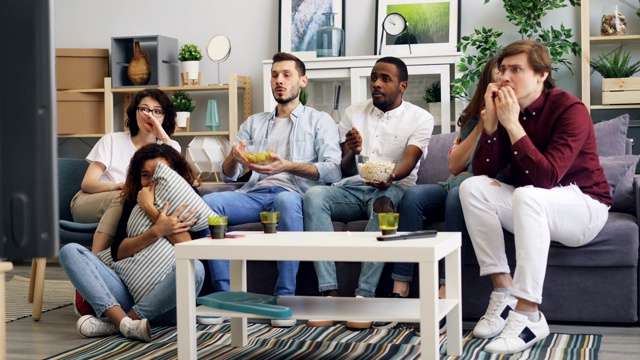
(287,100)
(384,104)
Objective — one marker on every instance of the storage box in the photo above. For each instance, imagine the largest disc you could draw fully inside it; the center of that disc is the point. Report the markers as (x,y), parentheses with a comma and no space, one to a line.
(81,68)
(163,54)
(621,91)
(80,113)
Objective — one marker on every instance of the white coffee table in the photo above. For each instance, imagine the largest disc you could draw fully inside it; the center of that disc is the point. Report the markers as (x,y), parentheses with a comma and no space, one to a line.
(335,246)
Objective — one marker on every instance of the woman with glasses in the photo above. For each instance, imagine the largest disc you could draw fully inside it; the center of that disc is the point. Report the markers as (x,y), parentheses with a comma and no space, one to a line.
(151,119)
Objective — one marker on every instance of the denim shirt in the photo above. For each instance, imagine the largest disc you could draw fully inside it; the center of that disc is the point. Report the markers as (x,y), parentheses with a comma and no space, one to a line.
(314,140)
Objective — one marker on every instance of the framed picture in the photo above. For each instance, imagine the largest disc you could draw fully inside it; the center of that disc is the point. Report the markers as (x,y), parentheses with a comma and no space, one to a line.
(301,19)
(432,27)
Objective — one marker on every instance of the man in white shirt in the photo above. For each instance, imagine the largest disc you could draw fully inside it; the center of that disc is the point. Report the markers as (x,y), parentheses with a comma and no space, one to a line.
(385,126)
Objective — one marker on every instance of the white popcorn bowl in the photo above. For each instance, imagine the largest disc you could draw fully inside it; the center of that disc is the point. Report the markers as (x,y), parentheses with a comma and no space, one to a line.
(373,168)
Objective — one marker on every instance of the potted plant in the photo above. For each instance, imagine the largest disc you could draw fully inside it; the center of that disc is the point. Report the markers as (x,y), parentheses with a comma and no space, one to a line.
(432,95)
(184,106)
(527,18)
(616,70)
(190,56)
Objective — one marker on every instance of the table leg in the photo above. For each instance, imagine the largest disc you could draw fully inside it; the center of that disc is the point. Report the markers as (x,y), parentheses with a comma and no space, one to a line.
(429,308)
(453,280)
(238,282)
(186,308)
(4,267)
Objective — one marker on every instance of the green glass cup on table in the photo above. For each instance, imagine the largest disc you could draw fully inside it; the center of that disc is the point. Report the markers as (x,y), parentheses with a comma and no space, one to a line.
(218,226)
(269,220)
(388,222)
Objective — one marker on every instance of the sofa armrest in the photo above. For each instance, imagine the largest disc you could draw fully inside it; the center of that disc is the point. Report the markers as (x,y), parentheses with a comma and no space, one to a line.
(211,188)
(636,190)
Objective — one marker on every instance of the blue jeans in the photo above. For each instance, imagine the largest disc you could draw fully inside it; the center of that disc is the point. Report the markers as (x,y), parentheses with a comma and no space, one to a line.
(103,289)
(242,208)
(430,201)
(345,203)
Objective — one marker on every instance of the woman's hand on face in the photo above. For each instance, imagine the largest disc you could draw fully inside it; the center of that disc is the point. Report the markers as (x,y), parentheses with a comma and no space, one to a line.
(174,223)
(154,126)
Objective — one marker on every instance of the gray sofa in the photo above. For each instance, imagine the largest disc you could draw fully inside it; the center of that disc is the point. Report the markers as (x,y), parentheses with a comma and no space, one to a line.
(595,283)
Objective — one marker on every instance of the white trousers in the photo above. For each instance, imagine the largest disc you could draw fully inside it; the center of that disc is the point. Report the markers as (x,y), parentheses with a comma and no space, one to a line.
(535,216)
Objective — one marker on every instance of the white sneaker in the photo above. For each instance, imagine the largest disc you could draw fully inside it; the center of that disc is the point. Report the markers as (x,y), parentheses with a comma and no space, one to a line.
(283,322)
(519,334)
(136,329)
(493,321)
(211,320)
(91,326)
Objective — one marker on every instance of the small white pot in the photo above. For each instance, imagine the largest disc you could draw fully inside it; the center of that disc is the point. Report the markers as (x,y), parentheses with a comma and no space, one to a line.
(191,68)
(181,118)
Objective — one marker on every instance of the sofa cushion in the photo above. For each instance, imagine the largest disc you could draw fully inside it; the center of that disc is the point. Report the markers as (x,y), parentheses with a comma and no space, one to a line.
(611,136)
(435,167)
(619,171)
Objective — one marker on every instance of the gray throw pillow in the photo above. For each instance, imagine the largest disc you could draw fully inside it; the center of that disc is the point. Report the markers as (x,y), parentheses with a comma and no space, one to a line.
(619,171)
(611,136)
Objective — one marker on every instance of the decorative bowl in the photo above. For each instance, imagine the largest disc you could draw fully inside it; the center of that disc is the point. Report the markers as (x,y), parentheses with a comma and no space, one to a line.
(373,168)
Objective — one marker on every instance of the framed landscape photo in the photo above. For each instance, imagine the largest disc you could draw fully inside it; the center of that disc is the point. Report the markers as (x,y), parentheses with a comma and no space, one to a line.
(301,19)
(432,27)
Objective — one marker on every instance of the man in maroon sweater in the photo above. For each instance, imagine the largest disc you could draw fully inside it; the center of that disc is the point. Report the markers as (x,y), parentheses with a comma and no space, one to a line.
(545,136)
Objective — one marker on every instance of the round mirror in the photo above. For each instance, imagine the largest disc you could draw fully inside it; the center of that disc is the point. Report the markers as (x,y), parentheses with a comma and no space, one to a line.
(219,48)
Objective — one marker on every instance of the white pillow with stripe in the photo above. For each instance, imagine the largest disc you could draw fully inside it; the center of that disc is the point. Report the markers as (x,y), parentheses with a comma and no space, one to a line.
(145,269)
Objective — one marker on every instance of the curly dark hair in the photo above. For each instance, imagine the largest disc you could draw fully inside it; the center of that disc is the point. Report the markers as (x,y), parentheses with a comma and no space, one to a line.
(179,164)
(169,123)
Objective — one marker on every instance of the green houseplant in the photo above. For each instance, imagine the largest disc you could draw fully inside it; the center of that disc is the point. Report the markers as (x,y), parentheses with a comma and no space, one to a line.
(190,57)
(189,52)
(616,70)
(615,65)
(182,101)
(526,16)
(432,93)
(184,106)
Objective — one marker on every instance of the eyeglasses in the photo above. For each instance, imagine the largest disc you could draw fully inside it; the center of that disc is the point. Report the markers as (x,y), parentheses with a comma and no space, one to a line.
(155,112)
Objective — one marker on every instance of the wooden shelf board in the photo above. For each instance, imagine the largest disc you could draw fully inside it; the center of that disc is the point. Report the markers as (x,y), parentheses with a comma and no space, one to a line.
(615,38)
(82,90)
(176,88)
(199,133)
(80,135)
(614,107)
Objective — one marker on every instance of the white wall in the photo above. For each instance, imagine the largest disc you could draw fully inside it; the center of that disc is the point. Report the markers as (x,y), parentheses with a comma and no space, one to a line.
(252,26)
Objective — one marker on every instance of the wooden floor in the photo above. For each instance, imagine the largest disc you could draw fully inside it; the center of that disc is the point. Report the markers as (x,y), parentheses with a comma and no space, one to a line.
(55,332)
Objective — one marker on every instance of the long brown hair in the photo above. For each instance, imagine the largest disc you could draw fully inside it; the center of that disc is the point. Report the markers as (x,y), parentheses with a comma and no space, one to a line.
(133,183)
(476,105)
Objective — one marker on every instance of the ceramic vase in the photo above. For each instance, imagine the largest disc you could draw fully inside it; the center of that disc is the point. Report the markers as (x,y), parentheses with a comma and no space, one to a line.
(139,71)
(191,69)
(182,119)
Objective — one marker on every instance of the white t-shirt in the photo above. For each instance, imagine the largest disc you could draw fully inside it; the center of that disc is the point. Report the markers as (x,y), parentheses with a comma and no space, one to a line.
(115,151)
(388,134)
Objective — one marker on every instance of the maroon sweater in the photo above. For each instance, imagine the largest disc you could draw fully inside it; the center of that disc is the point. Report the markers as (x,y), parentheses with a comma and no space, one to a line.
(558,150)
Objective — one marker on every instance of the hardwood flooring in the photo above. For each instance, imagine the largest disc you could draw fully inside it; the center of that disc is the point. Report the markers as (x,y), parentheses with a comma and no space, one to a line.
(55,332)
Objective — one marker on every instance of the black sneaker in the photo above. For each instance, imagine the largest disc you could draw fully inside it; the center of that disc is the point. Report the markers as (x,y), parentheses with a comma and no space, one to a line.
(387,324)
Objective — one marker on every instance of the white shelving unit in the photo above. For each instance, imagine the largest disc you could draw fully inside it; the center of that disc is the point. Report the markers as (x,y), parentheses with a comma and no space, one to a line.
(352,74)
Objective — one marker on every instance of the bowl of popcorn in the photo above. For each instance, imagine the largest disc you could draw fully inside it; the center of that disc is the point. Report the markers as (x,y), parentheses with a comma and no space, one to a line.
(372,168)
(259,151)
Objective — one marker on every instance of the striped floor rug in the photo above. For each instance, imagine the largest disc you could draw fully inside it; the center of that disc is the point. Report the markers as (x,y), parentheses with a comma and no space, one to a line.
(336,342)
(57,293)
